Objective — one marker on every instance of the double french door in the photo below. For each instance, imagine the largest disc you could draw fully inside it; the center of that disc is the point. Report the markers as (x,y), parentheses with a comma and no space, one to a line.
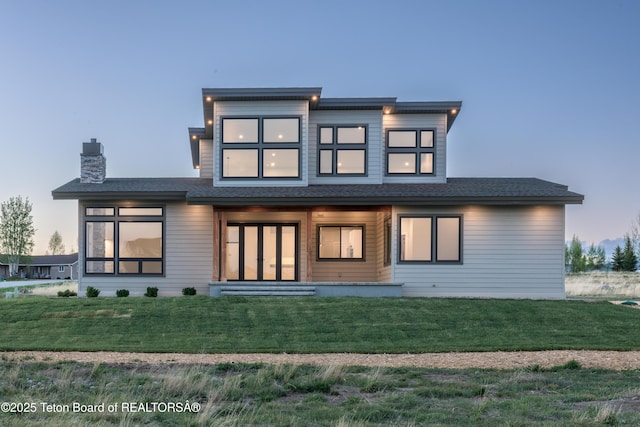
(262,252)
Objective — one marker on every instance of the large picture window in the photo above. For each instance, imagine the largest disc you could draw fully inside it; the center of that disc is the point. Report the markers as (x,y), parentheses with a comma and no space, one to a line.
(124,240)
(342,150)
(341,242)
(433,238)
(266,147)
(410,151)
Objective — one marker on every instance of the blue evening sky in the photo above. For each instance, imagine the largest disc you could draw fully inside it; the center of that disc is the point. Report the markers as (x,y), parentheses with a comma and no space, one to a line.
(550,88)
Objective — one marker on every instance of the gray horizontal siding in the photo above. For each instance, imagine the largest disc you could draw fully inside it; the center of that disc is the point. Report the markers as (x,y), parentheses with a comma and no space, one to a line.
(508,252)
(373,121)
(259,109)
(206,158)
(419,121)
(188,256)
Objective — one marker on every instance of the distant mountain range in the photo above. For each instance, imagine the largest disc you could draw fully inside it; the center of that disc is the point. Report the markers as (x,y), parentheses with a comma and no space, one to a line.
(609,245)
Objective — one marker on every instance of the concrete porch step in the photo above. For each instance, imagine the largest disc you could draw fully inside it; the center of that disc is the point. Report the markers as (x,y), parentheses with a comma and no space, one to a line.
(267,290)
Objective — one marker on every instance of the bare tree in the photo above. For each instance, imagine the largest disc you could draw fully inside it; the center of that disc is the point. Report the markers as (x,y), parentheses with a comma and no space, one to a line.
(55,244)
(16,231)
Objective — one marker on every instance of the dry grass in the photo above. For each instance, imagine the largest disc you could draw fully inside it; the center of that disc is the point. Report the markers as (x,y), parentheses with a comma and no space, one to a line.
(603,285)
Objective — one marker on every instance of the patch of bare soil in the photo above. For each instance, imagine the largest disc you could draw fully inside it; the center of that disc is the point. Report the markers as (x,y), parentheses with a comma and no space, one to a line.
(617,360)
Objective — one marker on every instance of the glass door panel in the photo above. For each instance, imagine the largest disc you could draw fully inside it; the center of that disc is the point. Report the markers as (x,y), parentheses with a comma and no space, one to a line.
(250,253)
(261,252)
(233,253)
(288,250)
(269,252)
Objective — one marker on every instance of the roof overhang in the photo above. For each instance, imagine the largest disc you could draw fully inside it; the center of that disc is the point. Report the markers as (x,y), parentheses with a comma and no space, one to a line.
(200,191)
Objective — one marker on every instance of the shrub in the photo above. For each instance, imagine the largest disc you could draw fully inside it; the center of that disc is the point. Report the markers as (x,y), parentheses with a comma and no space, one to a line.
(92,292)
(188,291)
(151,292)
(67,293)
(122,293)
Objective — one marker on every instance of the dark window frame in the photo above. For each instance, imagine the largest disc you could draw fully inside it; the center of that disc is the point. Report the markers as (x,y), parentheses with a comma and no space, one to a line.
(340,226)
(434,239)
(116,219)
(417,151)
(335,146)
(259,272)
(260,146)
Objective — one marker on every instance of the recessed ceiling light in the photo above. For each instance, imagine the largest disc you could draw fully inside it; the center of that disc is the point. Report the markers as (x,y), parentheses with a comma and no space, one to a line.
(209,122)
(193,137)
(454,111)
(208,99)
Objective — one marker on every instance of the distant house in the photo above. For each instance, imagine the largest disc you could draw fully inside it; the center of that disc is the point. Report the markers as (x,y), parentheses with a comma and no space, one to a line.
(46,267)
(299,194)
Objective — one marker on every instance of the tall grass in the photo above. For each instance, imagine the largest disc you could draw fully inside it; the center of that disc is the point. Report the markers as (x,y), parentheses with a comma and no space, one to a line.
(603,285)
(266,395)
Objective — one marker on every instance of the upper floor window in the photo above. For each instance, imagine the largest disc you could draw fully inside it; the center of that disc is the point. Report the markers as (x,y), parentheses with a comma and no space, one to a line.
(124,240)
(267,147)
(342,150)
(410,151)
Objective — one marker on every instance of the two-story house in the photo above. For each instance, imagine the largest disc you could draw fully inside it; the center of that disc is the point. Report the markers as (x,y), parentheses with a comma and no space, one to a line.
(301,194)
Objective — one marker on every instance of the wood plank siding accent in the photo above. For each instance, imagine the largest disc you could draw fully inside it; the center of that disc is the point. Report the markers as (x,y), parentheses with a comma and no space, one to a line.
(375,165)
(385,272)
(419,121)
(346,271)
(508,252)
(261,109)
(188,255)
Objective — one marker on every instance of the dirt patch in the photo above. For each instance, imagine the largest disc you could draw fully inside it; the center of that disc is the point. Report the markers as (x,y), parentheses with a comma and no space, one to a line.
(617,360)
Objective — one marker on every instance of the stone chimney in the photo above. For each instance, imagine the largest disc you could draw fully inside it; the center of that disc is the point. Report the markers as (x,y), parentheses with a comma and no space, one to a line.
(93,164)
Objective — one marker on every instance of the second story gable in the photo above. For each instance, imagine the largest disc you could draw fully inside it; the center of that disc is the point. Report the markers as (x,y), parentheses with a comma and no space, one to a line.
(294,137)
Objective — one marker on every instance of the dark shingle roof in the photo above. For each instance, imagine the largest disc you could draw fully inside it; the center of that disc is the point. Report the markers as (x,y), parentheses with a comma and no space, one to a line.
(491,191)
(49,260)
(54,259)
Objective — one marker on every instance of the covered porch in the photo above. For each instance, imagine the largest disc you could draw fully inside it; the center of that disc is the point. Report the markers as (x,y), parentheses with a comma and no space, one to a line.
(319,250)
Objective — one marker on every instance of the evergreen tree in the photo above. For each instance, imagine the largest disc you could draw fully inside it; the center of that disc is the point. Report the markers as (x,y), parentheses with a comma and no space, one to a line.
(616,259)
(601,258)
(629,258)
(577,260)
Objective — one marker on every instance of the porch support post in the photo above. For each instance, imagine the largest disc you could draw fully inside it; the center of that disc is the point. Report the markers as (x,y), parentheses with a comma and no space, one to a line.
(223,246)
(216,245)
(309,246)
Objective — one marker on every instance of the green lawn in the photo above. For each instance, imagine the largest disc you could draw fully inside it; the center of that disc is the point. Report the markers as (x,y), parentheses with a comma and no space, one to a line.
(202,324)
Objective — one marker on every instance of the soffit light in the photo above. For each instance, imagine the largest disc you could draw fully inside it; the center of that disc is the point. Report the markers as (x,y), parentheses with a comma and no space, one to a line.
(208,99)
